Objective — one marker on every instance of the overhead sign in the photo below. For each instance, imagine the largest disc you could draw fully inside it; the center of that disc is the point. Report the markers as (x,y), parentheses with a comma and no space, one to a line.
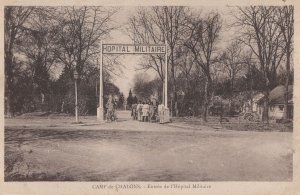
(133,49)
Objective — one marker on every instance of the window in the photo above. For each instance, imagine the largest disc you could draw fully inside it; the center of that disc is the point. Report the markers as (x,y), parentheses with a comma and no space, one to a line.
(272,108)
(281,107)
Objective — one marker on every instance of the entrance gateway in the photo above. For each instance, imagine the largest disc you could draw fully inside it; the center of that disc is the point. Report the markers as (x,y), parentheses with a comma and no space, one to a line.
(133,49)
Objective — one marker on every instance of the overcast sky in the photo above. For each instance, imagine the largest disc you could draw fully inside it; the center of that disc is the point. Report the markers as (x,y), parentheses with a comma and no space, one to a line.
(125,81)
(130,62)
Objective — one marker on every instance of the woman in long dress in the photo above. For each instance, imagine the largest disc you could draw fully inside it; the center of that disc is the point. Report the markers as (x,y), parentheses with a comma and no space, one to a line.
(151,112)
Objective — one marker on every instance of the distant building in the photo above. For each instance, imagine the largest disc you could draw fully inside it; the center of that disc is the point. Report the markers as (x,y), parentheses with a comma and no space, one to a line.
(255,103)
(276,103)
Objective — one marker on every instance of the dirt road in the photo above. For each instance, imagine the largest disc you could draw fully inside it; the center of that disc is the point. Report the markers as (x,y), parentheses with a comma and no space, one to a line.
(56,149)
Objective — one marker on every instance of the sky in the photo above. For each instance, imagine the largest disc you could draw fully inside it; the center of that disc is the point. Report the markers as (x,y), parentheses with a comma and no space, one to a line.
(130,62)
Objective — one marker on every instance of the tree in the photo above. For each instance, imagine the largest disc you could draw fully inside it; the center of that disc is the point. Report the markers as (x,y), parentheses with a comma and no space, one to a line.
(81,29)
(233,65)
(186,67)
(286,23)
(135,100)
(37,47)
(143,30)
(160,25)
(262,35)
(36,38)
(144,88)
(203,34)
(14,19)
(129,99)
(121,100)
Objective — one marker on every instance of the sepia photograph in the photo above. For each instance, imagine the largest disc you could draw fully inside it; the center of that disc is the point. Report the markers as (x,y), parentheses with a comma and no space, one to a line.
(148,93)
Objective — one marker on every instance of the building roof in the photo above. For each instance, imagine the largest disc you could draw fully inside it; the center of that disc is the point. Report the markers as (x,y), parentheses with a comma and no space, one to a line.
(277,94)
(258,97)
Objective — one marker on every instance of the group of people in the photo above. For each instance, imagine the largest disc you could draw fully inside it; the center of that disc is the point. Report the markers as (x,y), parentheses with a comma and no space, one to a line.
(144,111)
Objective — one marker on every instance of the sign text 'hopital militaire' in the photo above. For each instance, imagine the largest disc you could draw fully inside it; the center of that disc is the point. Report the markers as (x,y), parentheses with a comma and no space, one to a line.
(133,49)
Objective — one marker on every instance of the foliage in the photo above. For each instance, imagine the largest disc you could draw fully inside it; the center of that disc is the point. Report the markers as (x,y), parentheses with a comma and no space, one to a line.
(43,43)
(130,99)
(43,46)
(144,88)
(121,101)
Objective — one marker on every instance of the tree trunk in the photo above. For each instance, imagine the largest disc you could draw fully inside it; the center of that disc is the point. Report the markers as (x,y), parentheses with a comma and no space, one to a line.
(231,94)
(175,102)
(174,88)
(207,94)
(8,103)
(265,114)
(251,90)
(8,83)
(286,92)
(9,42)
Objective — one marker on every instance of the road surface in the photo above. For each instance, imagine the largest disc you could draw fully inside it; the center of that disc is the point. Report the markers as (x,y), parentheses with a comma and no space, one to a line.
(43,149)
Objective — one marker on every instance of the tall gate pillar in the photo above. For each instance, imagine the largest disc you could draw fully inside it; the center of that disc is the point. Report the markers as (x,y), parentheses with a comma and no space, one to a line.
(133,49)
(100,110)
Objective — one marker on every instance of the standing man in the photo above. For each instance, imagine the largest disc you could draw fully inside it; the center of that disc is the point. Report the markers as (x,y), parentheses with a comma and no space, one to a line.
(134,111)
